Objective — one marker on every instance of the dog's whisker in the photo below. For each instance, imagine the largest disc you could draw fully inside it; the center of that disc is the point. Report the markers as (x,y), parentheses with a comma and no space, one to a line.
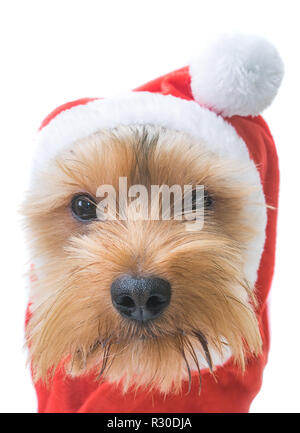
(191,350)
(104,360)
(187,366)
(202,339)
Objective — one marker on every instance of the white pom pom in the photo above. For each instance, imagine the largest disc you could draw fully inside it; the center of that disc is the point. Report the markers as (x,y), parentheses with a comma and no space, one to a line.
(238,74)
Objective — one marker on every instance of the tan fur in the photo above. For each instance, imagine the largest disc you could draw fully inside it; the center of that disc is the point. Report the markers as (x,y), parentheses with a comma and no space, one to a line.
(73,320)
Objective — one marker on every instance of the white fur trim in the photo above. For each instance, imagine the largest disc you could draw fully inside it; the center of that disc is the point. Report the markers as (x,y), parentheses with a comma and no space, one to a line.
(138,108)
(143,108)
(237,75)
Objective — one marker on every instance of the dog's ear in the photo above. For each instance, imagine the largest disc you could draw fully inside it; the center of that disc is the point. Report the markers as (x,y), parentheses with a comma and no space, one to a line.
(237,75)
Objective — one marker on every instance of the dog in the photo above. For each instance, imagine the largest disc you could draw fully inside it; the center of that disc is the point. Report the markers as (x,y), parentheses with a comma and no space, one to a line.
(155,306)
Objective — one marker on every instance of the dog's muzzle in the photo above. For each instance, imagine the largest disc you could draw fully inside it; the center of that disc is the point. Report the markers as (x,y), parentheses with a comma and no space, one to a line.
(140,299)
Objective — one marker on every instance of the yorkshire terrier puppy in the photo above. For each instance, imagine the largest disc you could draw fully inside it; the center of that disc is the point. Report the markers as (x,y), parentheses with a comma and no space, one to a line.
(95,276)
(144,302)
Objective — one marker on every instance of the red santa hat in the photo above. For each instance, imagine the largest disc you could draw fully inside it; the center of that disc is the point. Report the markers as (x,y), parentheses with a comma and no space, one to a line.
(217,100)
(236,75)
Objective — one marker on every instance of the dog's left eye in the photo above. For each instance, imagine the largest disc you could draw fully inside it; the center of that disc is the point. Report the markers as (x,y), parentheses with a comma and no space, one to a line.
(84,208)
(207,198)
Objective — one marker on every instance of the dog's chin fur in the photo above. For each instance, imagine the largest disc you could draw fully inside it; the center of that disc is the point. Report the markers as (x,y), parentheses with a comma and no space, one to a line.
(73,323)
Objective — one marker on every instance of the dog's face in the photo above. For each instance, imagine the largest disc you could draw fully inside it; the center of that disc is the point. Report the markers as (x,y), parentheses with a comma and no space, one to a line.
(145,301)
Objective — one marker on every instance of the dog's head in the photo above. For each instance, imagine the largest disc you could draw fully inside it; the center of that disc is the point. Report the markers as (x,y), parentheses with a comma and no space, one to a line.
(142,300)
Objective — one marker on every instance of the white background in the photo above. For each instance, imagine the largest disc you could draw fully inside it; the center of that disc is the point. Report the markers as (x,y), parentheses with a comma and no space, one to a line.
(56,51)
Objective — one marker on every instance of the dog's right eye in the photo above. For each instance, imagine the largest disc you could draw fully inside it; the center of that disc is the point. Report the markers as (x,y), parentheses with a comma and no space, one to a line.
(84,207)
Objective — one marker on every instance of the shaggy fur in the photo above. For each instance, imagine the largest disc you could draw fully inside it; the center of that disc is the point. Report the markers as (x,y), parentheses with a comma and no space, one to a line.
(73,322)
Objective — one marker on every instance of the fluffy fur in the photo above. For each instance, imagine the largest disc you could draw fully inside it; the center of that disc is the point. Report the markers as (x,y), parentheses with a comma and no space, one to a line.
(237,75)
(73,323)
(142,108)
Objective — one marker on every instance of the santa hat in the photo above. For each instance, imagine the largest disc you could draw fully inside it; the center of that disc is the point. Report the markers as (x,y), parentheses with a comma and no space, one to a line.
(237,75)
(217,100)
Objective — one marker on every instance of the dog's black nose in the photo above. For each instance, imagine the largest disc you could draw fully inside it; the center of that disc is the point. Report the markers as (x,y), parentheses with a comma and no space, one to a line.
(140,299)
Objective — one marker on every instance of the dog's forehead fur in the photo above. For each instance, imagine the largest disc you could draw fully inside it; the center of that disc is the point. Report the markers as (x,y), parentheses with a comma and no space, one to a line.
(76,263)
(147,156)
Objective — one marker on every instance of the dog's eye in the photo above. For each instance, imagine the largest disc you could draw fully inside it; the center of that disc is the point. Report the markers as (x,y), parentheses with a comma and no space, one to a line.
(84,207)
(207,198)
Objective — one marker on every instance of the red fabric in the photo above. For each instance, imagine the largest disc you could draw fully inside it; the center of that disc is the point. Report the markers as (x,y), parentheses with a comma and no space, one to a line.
(176,83)
(232,392)
(64,107)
